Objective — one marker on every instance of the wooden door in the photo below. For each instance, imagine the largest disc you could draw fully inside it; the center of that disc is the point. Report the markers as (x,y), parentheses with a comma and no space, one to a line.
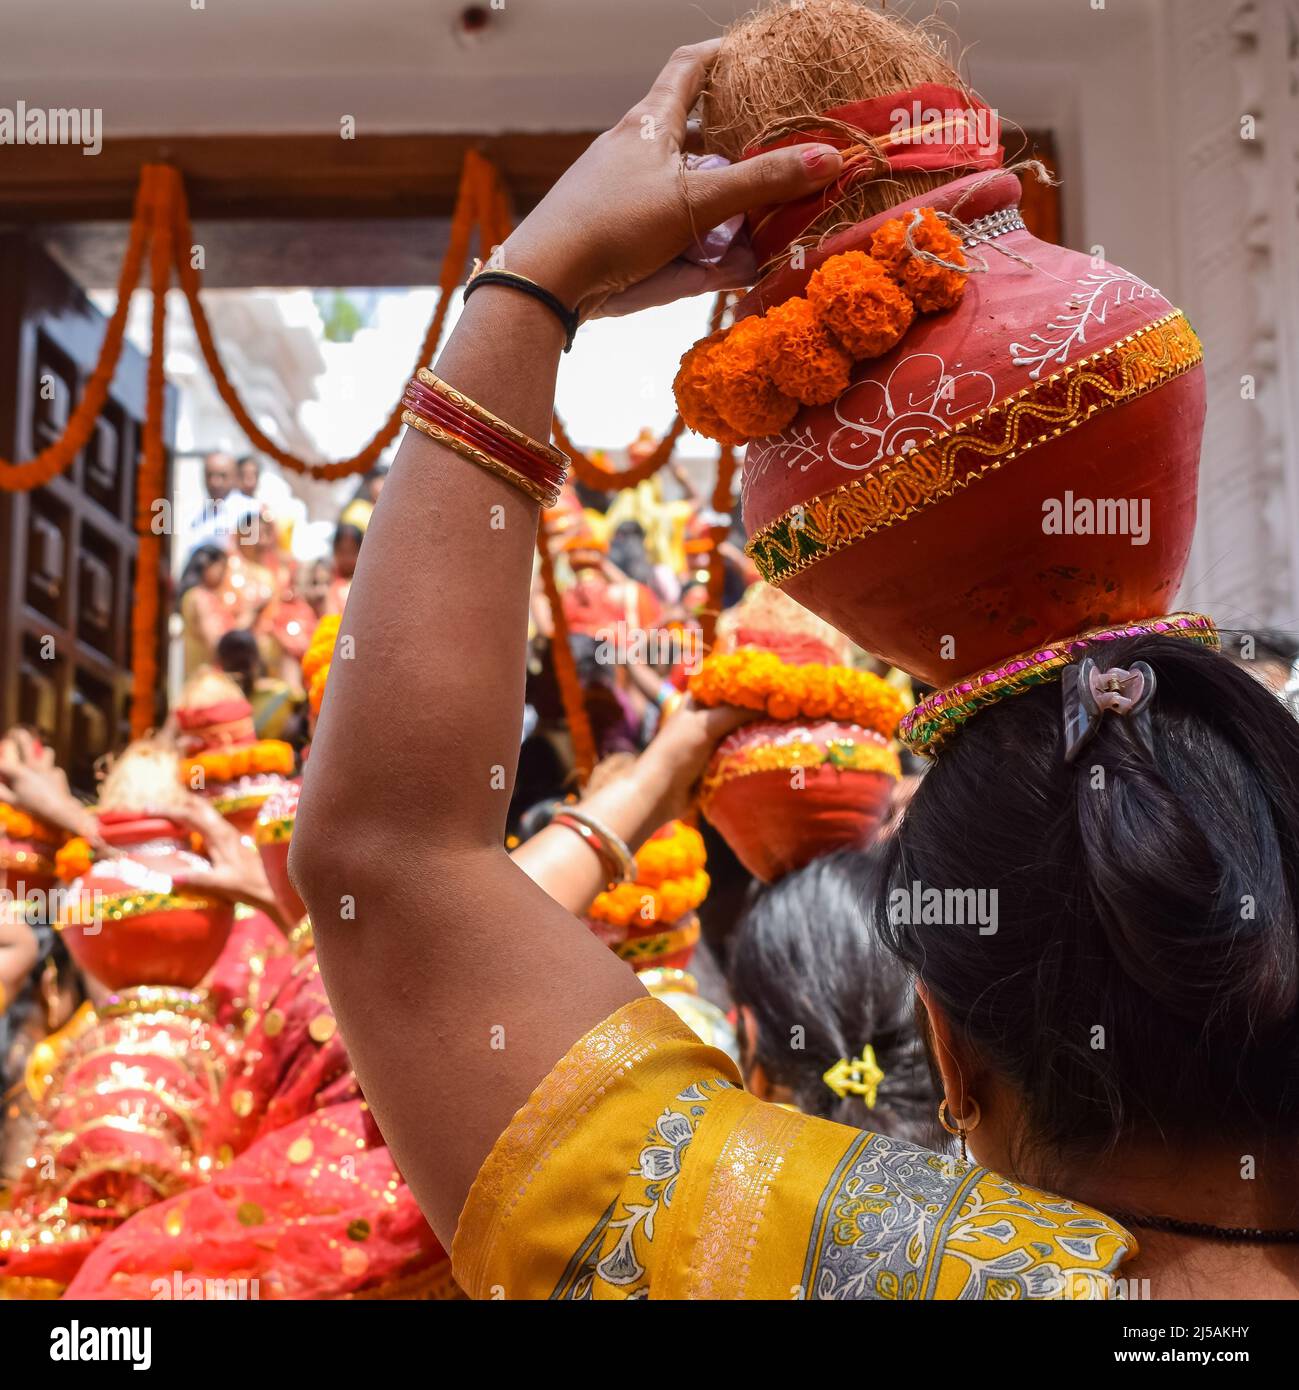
(67,550)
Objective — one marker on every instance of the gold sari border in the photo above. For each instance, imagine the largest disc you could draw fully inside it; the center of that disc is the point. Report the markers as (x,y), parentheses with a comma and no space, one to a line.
(594,1072)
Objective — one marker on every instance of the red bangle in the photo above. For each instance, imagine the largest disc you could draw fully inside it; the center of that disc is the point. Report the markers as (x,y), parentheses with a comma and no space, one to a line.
(451,418)
(421,401)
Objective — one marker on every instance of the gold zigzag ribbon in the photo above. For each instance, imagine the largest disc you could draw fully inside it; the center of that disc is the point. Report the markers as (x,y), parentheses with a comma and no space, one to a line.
(980,444)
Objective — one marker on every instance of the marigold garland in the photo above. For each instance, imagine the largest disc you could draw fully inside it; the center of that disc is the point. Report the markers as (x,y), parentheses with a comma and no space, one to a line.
(930,287)
(265,757)
(161,226)
(318,657)
(18,825)
(750,380)
(860,303)
(570,684)
(74,859)
(670,881)
(759,680)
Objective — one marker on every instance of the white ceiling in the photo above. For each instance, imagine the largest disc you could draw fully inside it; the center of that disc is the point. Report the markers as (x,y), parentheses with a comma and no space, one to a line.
(300,65)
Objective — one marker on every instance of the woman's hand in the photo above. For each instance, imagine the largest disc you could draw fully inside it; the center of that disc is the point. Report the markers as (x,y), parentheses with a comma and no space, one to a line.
(235,873)
(683,747)
(628,205)
(30,779)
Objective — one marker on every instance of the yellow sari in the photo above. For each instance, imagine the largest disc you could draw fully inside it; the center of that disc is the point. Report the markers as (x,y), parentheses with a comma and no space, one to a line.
(639,1169)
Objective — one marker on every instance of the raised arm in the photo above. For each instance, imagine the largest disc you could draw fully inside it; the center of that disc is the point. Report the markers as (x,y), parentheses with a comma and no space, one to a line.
(458,983)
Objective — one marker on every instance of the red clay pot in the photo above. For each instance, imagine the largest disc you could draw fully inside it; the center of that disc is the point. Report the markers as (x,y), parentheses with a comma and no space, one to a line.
(776,825)
(970,560)
(272,833)
(168,946)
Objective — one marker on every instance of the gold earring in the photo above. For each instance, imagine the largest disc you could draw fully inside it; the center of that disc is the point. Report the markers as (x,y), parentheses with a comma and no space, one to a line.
(963,1126)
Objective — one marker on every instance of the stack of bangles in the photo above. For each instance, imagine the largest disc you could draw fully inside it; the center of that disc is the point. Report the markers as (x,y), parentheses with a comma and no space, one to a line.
(615,858)
(453,420)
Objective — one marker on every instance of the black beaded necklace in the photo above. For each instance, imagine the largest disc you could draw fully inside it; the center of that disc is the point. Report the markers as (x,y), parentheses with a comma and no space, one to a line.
(1238,1235)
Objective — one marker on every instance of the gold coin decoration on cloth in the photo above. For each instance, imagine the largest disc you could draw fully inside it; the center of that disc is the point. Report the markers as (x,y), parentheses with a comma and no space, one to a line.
(175,1222)
(250,1214)
(358,1229)
(225,1154)
(273,1024)
(322,1027)
(242,1104)
(301,1150)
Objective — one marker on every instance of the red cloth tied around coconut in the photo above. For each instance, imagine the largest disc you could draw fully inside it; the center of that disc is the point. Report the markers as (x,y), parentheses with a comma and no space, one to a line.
(962,136)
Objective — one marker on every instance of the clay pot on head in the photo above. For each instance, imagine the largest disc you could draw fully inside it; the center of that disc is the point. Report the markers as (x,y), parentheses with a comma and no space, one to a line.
(128,925)
(241,802)
(1020,467)
(782,793)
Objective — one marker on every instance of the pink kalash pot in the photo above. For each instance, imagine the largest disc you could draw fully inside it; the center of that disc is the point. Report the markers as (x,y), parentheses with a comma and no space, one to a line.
(912,511)
(129,925)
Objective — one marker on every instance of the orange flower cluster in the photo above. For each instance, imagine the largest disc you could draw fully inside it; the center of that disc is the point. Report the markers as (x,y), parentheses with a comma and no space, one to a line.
(635,905)
(930,287)
(316,662)
(676,851)
(74,859)
(267,755)
(18,825)
(759,680)
(670,881)
(748,381)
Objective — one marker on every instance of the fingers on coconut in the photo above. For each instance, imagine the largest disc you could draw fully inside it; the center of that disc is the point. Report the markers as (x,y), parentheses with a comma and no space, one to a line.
(774,177)
(667,104)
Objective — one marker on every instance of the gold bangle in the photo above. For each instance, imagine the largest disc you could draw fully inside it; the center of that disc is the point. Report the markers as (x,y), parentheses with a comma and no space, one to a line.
(547,497)
(4,999)
(481,413)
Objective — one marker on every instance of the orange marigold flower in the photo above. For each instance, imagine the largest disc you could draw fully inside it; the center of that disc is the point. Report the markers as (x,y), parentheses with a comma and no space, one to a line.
(783,704)
(860,303)
(804,360)
(74,859)
(742,389)
(321,648)
(692,388)
(930,287)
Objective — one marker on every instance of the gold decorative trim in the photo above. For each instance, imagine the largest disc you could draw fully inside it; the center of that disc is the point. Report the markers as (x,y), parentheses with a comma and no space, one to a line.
(843,754)
(979,444)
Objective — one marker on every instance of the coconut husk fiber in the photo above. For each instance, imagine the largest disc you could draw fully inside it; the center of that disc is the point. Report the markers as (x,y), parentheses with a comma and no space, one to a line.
(784,65)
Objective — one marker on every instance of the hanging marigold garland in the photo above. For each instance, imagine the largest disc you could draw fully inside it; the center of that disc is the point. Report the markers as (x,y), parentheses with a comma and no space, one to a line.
(161,224)
(56,457)
(152,483)
(570,685)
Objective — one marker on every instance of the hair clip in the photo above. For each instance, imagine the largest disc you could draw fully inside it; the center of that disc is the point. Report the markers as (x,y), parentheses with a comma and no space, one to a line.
(1090,694)
(860,1077)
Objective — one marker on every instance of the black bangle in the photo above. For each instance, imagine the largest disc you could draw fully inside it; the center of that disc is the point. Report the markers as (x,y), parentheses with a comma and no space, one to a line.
(568,317)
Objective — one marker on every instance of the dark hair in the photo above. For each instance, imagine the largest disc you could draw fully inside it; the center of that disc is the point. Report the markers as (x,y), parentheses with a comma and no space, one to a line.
(345,531)
(239,656)
(804,957)
(1142,977)
(200,558)
(627,551)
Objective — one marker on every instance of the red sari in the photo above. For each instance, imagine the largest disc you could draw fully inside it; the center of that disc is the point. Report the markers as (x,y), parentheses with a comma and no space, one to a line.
(304,1197)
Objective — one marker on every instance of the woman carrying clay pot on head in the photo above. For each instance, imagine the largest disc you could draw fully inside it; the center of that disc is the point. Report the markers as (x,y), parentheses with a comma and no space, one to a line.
(1109,976)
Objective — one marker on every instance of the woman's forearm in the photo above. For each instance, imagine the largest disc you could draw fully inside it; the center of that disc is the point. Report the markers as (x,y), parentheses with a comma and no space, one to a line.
(428,938)
(559,861)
